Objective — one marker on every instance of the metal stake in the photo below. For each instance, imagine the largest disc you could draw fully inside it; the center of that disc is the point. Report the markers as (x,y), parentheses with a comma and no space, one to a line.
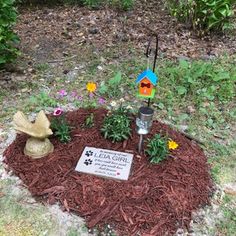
(140,144)
(148,54)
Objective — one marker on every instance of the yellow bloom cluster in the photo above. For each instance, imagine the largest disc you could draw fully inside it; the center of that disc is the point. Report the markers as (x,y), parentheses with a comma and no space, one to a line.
(91,87)
(172,145)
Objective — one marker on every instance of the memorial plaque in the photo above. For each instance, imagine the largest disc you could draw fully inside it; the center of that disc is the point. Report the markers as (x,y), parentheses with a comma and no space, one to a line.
(105,163)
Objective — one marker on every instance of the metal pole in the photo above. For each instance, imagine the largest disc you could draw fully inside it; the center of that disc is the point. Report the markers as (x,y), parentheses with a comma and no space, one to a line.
(149,101)
(148,53)
(140,144)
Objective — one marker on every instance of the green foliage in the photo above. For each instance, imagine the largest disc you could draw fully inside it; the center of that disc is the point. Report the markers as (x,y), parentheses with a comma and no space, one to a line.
(203,15)
(8,39)
(48,2)
(116,126)
(208,80)
(89,121)
(207,86)
(43,100)
(89,102)
(92,3)
(157,149)
(111,88)
(123,4)
(61,129)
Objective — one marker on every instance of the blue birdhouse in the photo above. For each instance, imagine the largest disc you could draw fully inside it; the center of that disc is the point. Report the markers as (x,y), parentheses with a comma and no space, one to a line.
(147,80)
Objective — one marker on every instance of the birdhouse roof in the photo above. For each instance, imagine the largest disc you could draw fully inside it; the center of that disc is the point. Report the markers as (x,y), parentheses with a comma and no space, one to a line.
(149,75)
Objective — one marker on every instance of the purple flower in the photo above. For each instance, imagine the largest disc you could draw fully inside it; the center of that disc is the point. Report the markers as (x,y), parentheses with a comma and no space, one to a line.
(74,94)
(80,98)
(62,93)
(91,95)
(57,112)
(101,101)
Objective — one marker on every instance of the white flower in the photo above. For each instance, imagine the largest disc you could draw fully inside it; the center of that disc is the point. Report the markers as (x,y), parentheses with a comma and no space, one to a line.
(122,100)
(113,104)
(129,107)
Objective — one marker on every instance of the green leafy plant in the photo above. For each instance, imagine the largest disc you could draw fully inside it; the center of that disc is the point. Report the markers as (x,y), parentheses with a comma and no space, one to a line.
(89,102)
(43,100)
(203,15)
(116,126)
(8,39)
(60,127)
(112,87)
(208,80)
(89,121)
(157,149)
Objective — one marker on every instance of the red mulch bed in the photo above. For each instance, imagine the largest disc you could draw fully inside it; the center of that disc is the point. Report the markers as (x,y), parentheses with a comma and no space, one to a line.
(156,200)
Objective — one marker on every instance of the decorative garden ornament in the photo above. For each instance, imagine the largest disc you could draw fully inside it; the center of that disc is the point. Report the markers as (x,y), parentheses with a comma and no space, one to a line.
(38,145)
(147,81)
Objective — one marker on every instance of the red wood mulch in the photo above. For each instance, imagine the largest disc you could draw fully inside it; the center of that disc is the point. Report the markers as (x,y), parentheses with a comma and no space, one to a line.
(156,200)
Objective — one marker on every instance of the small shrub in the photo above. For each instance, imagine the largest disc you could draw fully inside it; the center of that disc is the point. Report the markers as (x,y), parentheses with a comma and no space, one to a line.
(203,15)
(60,127)
(89,121)
(8,39)
(117,125)
(157,149)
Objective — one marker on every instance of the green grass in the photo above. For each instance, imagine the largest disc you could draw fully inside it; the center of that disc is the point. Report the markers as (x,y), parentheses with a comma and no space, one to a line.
(223,161)
(3,94)
(227,225)
(18,218)
(72,231)
(42,67)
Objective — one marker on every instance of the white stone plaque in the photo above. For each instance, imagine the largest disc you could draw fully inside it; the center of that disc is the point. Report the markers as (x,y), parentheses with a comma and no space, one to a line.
(105,163)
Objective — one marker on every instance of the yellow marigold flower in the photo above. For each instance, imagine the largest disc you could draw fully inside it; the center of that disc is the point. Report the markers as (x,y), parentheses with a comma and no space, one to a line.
(91,87)
(172,145)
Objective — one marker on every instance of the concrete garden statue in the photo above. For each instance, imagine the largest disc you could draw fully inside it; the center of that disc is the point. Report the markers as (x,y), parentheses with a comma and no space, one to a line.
(38,145)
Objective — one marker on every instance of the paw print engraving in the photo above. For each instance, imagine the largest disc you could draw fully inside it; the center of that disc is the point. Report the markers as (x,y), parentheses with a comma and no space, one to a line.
(88,153)
(88,162)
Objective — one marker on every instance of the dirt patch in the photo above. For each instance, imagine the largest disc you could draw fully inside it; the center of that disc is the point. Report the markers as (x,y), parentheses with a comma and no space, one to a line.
(66,29)
(156,200)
